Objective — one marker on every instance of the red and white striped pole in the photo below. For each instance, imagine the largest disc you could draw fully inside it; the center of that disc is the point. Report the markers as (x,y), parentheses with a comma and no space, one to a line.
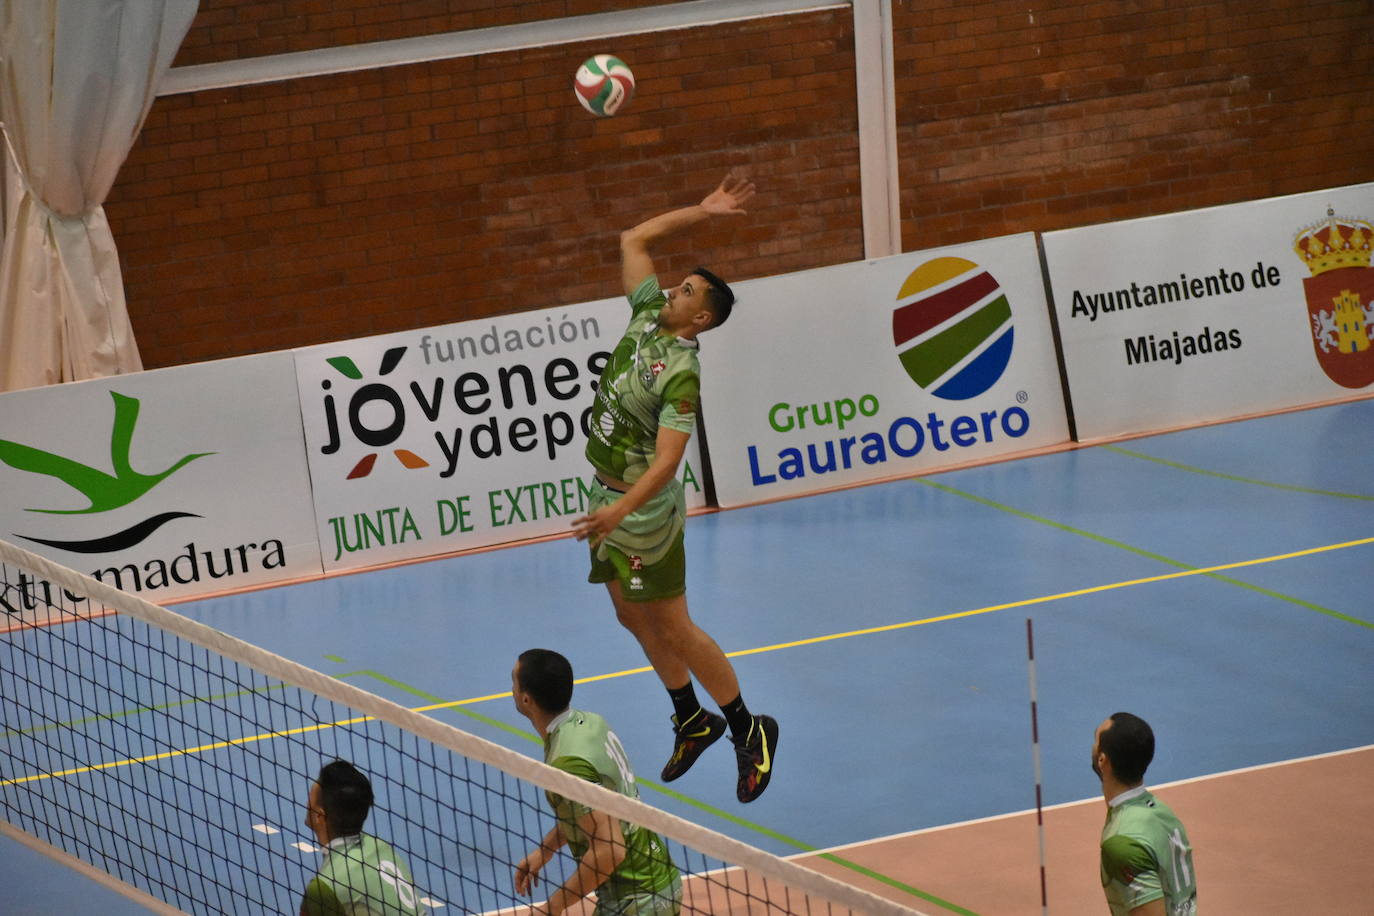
(1035,753)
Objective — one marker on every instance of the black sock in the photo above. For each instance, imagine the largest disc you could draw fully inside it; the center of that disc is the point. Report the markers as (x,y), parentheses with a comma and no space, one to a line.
(737,714)
(685,702)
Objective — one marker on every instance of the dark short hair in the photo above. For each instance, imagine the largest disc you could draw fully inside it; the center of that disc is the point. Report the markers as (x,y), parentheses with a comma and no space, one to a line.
(718,295)
(547,677)
(345,796)
(1130,745)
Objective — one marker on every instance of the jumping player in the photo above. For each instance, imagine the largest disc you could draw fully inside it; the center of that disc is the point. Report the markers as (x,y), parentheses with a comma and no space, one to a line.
(643,415)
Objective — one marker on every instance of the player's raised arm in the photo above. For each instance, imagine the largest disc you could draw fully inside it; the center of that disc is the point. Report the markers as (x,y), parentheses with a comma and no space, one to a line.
(636,263)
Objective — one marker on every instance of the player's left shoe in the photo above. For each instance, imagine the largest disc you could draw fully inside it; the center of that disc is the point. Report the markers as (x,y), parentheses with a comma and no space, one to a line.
(755,757)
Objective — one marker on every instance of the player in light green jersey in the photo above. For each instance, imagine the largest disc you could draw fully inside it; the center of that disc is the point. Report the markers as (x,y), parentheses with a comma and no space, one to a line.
(643,416)
(1147,861)
(361,875)
(627,866)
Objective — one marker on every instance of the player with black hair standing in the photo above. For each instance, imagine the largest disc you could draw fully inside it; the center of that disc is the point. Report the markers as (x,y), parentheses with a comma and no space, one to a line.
(626,865)
(1147,861)
(361,874)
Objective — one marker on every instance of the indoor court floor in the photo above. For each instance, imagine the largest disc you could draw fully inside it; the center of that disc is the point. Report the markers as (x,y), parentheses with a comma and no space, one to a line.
(1217,581)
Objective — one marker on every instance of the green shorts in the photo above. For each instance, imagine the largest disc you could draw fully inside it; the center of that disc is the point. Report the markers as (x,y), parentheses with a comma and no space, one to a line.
(640,582)
(665,902)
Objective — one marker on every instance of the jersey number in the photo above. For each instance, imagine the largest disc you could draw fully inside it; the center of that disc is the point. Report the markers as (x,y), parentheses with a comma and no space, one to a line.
(392,875)
(1183,875)
(622,763)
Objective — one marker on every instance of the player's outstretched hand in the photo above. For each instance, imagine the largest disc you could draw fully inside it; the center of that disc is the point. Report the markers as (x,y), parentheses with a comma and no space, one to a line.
(731,196)
(527,872)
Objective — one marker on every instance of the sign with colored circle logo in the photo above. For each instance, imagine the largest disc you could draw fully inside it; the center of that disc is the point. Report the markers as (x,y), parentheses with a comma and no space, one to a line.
(880,369)
(953,328)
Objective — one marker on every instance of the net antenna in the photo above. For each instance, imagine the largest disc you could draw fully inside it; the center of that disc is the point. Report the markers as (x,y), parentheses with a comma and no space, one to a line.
(1035,754)
(176,759)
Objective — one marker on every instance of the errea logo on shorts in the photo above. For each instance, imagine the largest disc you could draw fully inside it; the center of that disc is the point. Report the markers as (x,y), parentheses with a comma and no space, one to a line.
(953,328)
(636,583)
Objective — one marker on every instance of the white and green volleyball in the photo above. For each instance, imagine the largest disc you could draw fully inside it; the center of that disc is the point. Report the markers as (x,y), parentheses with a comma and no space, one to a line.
(603,84)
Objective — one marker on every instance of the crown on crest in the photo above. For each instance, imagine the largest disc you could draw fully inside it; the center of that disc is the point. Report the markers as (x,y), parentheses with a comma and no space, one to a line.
(1335,242)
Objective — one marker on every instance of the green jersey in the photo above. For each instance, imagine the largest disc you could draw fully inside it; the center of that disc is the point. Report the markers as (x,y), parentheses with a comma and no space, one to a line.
(581,743)
(1146,856)
(651,380)
(361,876)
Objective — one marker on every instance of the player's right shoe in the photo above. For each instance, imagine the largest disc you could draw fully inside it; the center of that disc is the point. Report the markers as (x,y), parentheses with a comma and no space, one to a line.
(690,738)
(755,757)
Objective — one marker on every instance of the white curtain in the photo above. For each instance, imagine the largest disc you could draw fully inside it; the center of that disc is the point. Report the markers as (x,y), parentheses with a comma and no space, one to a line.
(77,78)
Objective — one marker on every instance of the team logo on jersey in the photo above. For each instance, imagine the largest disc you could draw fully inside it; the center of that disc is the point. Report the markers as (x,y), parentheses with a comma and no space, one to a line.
(658,367)
(1340,296)
(952,328)
(605,426)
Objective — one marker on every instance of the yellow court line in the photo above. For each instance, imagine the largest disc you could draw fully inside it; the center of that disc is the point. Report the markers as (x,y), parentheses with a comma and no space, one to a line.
(182,752)
(449,704)
(1027,602)
(1045,599)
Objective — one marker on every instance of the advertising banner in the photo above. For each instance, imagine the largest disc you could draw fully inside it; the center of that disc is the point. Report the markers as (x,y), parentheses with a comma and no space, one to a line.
(167,483)
(1200,316)
(880,368)
(466,435)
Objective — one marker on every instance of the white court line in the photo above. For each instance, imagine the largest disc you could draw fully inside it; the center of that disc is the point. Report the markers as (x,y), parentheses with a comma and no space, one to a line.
(306,847)
(266,828)
(1082,801)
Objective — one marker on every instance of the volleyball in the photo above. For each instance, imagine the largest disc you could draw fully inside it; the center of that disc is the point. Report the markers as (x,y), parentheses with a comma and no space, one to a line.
(603,84)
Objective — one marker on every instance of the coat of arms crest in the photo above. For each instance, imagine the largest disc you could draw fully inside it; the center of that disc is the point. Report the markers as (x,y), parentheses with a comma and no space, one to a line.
(1340,297)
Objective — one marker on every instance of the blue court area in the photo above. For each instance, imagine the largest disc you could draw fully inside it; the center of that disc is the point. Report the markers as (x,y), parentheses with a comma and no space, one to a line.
(1204,579)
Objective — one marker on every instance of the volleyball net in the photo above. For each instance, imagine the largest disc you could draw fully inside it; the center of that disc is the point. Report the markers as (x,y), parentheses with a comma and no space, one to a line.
(174,762)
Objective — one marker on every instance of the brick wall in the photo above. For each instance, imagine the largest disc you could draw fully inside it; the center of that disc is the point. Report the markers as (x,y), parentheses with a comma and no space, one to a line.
(293,213)
(1040,116)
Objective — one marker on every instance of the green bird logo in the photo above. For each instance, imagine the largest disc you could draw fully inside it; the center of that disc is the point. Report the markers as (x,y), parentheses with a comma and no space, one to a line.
(105,491)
